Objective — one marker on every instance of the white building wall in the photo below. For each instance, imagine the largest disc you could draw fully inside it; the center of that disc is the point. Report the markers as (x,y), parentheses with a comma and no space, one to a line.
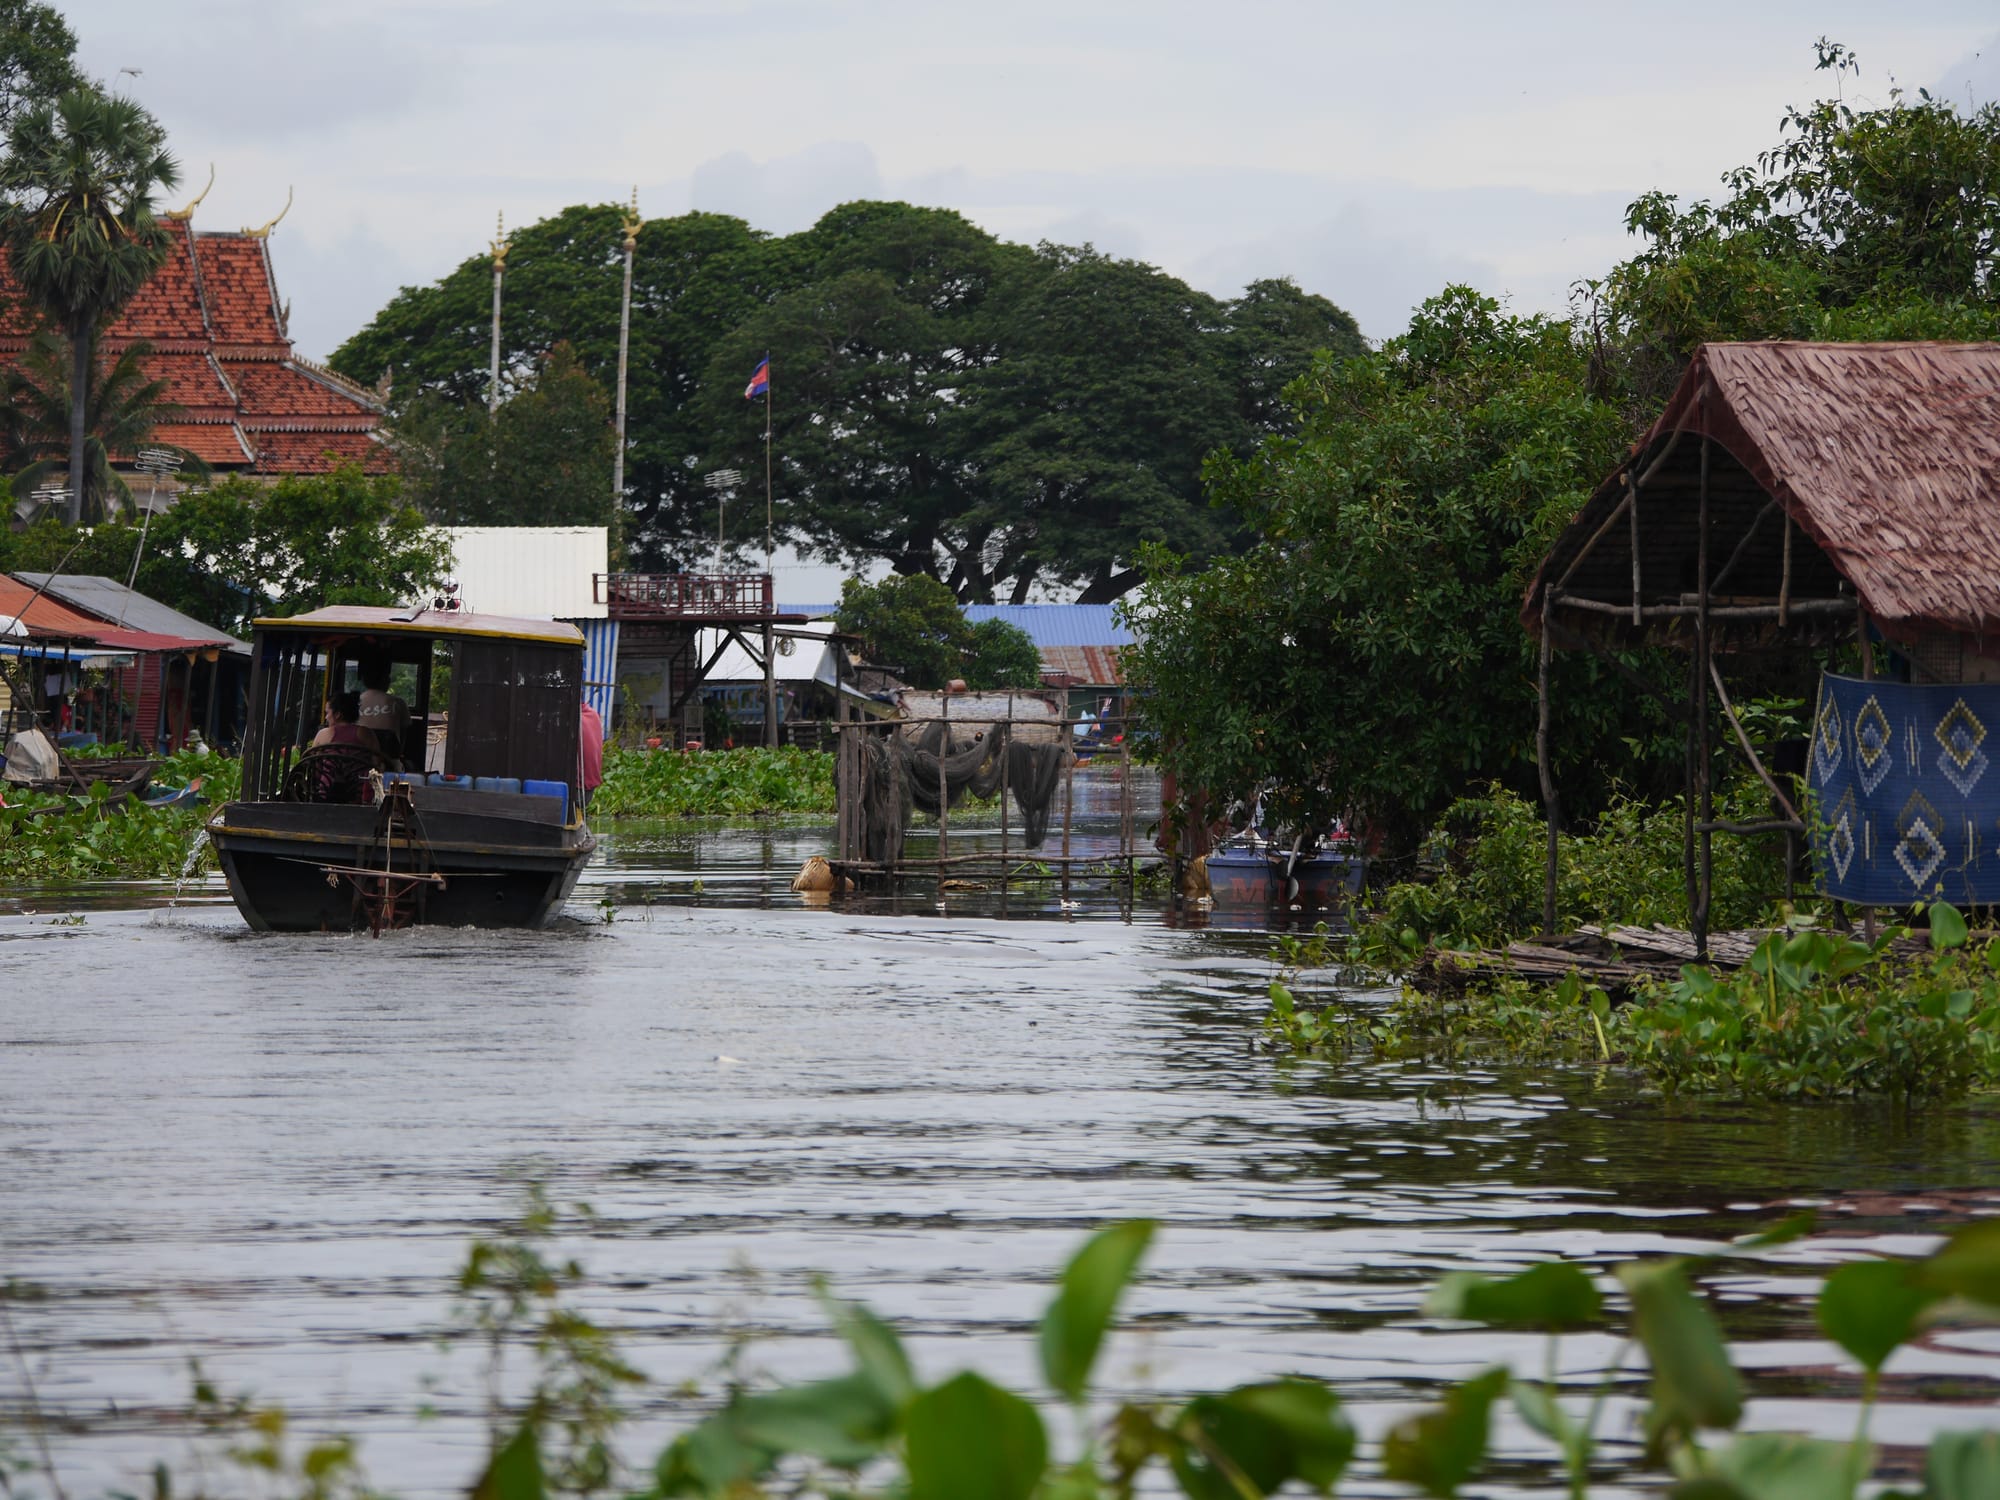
(531,572)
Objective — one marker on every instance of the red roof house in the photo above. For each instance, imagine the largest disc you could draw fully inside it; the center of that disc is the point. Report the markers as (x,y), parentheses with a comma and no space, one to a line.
(249,404)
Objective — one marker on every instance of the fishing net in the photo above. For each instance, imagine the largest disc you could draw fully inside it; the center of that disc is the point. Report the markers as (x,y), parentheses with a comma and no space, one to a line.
(900,775)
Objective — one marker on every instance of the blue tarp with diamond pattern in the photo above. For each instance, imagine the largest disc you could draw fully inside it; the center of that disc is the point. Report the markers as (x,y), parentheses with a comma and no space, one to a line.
(1906,797)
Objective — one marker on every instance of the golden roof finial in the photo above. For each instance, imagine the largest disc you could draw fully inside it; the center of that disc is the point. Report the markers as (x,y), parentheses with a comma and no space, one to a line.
(633,223)
(182,215)
(500,245)
(263,232)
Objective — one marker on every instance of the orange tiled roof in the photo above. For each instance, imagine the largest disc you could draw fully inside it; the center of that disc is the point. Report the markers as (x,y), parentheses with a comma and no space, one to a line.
(241,293)
(217,328)
(315,452)
(220,445)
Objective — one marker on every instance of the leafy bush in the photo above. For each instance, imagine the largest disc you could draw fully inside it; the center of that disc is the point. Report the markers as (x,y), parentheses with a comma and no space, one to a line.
(90,840)
(714,783)
(1625,869)
(1813,1014)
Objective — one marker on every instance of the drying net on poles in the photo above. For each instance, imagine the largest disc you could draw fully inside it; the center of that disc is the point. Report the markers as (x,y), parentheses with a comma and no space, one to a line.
(900,775)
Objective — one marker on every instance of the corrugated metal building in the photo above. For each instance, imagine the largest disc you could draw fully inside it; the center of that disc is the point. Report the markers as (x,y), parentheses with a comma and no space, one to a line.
(1079,643)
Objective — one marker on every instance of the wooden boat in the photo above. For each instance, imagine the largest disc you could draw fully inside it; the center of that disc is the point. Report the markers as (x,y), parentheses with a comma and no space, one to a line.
(1252,873)
(338,838)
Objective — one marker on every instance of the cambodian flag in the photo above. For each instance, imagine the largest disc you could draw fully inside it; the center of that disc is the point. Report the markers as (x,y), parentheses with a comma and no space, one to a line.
(759,382)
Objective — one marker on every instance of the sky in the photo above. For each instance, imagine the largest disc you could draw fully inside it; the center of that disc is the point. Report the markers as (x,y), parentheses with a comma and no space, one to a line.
(1372,152)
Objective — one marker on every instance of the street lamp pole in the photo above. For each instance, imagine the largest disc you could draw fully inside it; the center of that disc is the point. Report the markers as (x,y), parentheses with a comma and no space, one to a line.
(633,223)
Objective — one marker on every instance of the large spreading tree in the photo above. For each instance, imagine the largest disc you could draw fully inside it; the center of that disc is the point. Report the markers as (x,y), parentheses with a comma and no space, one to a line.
(997,418)
(76,218)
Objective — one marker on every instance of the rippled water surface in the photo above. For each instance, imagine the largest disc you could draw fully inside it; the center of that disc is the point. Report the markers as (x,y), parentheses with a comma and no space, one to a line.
(268,1154)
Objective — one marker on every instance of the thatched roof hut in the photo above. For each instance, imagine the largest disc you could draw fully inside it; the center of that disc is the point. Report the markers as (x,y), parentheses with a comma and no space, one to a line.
(1866,472)
(1803,494)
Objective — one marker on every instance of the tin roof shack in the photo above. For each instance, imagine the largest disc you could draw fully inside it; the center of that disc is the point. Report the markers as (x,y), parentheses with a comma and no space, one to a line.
(188,677)
(1080,644)
(1804,495)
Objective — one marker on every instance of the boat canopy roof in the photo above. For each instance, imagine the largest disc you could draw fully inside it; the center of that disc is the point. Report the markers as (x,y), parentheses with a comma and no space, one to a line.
(368,619)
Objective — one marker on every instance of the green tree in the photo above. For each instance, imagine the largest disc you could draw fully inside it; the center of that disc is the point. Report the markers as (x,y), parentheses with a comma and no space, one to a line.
(37,57)
(1090,434)
(1857,225)
(121,406)
(909,623)
(1367,654)
(76,217)
(1274,332)
(998,654)
(867,359)
(543,459)
(998,418)
(694,279)
(914,625)
(305,541)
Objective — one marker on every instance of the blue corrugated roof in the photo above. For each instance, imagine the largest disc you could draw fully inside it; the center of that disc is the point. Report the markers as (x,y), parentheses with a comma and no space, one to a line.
(1046,624)
(1058,624)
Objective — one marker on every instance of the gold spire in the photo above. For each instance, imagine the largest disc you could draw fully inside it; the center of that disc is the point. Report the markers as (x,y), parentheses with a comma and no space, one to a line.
(633,223)
(264,232)
(182,215)
(500,245)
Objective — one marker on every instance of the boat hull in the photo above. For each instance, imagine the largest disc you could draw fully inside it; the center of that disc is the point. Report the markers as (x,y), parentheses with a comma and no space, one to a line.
(283,863)
(1325,882)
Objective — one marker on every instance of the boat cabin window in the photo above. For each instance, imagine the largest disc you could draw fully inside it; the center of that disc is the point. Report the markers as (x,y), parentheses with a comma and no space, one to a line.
(481,707)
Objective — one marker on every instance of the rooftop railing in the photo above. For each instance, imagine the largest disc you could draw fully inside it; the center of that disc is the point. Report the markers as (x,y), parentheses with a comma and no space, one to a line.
(667,596)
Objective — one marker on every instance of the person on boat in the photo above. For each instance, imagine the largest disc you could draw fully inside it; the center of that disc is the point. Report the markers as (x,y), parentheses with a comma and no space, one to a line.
(383,714)
(590,747)
(335,782)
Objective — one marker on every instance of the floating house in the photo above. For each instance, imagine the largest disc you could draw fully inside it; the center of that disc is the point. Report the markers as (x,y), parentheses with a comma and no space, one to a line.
(131,669)
(1806,496)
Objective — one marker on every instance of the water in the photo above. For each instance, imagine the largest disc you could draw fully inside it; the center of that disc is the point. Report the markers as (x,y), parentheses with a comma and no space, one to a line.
(268,1154)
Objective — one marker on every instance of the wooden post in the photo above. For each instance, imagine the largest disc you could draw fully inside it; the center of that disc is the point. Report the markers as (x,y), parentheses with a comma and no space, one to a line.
(1704,648)
(1006,755)
(1545,769)
(1125,840)
(1634,483)
(1069,798)
(943,812)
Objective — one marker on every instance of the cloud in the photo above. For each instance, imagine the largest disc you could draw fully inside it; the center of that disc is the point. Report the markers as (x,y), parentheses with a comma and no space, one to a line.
(786,193)
(1973,82)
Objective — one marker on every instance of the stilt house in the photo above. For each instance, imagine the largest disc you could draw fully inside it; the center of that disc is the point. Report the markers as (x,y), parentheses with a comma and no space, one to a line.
(1807,495)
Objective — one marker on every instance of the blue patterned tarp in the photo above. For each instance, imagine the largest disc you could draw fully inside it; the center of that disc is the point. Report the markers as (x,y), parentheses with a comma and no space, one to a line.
(1907,797)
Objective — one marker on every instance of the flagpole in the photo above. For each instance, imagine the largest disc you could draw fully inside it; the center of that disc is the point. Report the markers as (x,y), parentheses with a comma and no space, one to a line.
(770,583)
(767,463)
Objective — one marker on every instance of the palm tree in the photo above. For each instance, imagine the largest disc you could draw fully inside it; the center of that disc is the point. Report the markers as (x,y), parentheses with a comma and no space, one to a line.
(76,218)
(121,407)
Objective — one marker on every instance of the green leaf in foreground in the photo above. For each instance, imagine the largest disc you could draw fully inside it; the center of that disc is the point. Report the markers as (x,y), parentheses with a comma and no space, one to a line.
(1872,1307)
(1438,1450)
(969,1440)
(1781,1466)
(1552,1295)
(1261,1436)
(844,1421)
(878,1353)
(515,1472)
(1074,1326)
(1947,925)
(1963,1466)
(1694,1384)
(1967,1265)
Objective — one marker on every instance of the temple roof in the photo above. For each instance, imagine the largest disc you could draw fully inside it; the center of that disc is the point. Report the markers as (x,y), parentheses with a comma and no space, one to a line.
(217,328)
